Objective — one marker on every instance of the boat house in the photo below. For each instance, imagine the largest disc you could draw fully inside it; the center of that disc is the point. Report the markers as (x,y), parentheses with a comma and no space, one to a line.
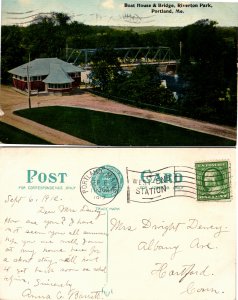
(51,75)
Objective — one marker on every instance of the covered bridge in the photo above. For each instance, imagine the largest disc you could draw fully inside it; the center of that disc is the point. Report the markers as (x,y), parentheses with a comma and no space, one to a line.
(47,74)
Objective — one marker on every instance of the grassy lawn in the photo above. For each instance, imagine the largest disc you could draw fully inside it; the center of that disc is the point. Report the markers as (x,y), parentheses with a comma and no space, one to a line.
(108,129)
(12,135)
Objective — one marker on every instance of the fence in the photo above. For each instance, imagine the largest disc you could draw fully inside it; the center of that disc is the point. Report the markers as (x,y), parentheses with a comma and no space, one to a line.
(194,113)
(161,109)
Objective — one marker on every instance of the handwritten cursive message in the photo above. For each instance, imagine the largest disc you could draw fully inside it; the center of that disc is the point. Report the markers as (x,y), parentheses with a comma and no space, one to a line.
(51,243)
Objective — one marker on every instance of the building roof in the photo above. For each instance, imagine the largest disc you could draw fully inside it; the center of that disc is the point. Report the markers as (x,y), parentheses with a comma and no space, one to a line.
(41,67)
(57,75)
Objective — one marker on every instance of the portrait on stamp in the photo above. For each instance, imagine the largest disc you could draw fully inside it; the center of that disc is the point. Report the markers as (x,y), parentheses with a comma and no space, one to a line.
(213,180)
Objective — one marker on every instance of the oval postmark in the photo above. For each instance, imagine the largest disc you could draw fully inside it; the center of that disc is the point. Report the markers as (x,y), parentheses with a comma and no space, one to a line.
(100,185)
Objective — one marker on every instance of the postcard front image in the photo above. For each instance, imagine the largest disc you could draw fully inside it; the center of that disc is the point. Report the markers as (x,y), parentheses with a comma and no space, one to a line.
(118,73)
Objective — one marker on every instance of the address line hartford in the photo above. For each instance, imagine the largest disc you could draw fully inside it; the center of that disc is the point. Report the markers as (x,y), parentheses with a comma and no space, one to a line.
(167,5)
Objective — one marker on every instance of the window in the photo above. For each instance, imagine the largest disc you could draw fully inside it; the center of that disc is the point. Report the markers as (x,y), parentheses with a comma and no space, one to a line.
(59,86)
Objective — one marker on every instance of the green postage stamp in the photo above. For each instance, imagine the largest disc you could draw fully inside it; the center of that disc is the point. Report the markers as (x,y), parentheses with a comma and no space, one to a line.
(213,181)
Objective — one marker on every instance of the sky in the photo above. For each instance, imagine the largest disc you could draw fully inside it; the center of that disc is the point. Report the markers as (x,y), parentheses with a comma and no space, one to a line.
(118,12)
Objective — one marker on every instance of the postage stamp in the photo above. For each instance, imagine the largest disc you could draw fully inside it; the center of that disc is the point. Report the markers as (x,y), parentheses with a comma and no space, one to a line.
(100,185)
(213,181)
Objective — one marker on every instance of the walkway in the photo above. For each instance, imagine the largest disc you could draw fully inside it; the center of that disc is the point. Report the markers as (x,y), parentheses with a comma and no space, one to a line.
(11,101)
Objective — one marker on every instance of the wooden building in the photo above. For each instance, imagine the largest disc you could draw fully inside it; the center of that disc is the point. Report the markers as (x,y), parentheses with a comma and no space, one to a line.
(52,75)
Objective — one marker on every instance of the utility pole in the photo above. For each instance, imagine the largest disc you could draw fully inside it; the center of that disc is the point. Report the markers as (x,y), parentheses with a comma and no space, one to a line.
(28,83)
(66,51)
(180,48)
(86,57)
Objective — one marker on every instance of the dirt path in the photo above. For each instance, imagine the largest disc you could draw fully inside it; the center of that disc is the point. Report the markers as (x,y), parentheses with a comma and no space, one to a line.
(10,100)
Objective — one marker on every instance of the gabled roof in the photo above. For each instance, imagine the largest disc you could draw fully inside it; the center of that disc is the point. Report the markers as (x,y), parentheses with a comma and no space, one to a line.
(57,75)
(41,67)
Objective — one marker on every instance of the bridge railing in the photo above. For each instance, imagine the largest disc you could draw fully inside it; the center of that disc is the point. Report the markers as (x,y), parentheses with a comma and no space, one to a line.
(125,54)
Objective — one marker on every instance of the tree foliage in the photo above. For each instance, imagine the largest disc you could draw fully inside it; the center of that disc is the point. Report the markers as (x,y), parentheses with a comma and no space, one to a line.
(105,69)
(206,65)
(13,51)
(143,85)
(49,35)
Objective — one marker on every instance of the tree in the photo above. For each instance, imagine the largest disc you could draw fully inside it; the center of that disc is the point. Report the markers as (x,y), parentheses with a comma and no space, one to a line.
(105,69)
(144,86)
(54,18)
(204,66)
(61,19)
(13,51)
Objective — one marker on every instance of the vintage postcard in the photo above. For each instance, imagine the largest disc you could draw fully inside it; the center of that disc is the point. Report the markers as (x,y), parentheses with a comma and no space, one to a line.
(117,224)
(118,73)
